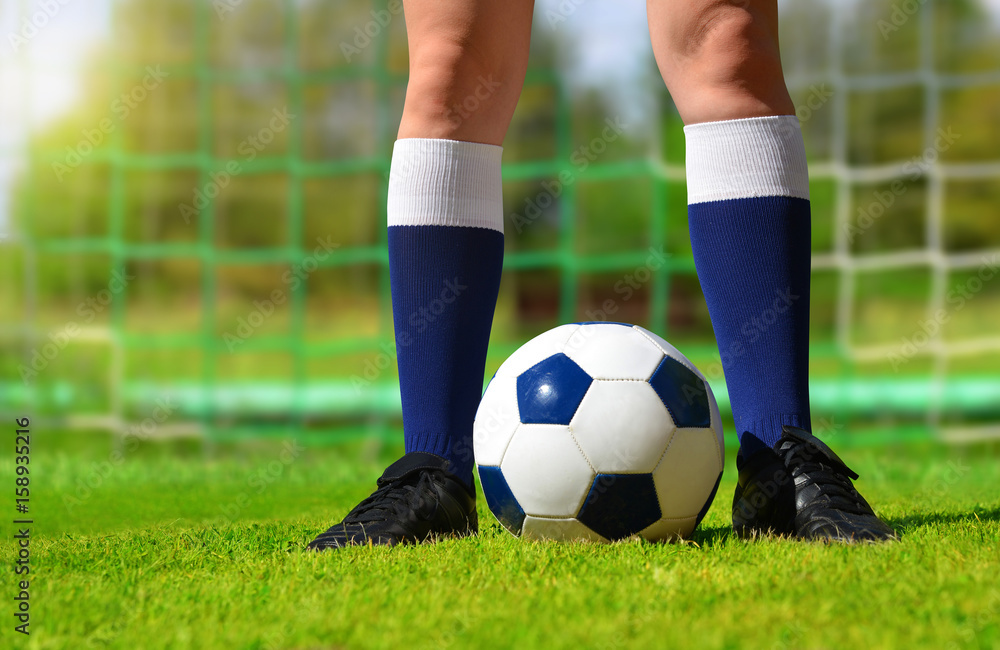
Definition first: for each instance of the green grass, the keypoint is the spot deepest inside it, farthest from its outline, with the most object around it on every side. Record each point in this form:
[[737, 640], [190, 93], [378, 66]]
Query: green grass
[[147, 561]]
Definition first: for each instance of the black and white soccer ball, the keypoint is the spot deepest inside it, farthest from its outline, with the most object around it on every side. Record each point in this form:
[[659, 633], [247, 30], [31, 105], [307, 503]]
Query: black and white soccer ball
[[598, 431]]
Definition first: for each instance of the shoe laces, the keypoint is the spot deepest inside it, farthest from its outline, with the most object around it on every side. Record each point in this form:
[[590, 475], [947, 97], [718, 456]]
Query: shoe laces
[[393, 499], [833, 477]]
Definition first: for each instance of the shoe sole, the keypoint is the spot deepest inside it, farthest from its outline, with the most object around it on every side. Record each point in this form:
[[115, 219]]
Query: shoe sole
[[391, 541], [749, 533]]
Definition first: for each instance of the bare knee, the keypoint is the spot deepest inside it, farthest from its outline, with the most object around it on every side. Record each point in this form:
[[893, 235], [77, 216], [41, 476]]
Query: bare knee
[[461, 91], [720, 60]]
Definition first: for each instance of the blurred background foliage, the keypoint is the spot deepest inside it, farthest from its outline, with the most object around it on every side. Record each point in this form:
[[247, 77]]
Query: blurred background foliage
[[231, 64], [249, 56]]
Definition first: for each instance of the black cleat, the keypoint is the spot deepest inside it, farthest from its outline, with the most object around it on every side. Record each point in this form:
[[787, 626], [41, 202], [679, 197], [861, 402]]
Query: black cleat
[[800, 488], [417, 499]]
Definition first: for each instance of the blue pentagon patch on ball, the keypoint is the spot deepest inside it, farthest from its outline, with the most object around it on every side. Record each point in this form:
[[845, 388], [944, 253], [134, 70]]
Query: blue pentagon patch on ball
[[683, 393], [550, 391]]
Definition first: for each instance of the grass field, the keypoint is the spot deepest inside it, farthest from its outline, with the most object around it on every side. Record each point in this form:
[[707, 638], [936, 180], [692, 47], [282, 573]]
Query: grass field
[[182, 546]]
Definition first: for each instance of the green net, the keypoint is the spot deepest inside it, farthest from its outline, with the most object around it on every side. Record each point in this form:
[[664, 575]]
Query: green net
[[197, 250]]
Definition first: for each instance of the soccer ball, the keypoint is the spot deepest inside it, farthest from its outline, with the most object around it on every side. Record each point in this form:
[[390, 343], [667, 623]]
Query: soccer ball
[[598, 431]]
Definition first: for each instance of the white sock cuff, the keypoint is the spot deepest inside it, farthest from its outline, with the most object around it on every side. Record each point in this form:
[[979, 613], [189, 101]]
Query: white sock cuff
[[739, 159], [445, 183]]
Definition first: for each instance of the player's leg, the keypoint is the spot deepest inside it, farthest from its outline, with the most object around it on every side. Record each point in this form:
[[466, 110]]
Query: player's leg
[[467, 64], [749, 220], [748, 200]]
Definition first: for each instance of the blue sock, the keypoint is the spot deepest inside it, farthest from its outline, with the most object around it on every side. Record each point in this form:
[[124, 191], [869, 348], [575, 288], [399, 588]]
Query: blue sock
[[445, 259], [749, 221]]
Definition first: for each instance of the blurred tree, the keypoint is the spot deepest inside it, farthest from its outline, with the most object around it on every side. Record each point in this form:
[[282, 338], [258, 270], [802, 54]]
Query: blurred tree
[[184, 84]]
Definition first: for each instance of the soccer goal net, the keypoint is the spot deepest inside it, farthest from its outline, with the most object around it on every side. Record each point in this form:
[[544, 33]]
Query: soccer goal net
[[196, 242]]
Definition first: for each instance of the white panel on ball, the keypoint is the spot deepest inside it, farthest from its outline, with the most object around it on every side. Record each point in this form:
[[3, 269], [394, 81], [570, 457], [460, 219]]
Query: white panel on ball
[[546, 471], [541, 347], [622, 426], [669, 529], [558, 529], [607, 351], [669, 349], [496, 420], [688, 471], [717, 425]]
